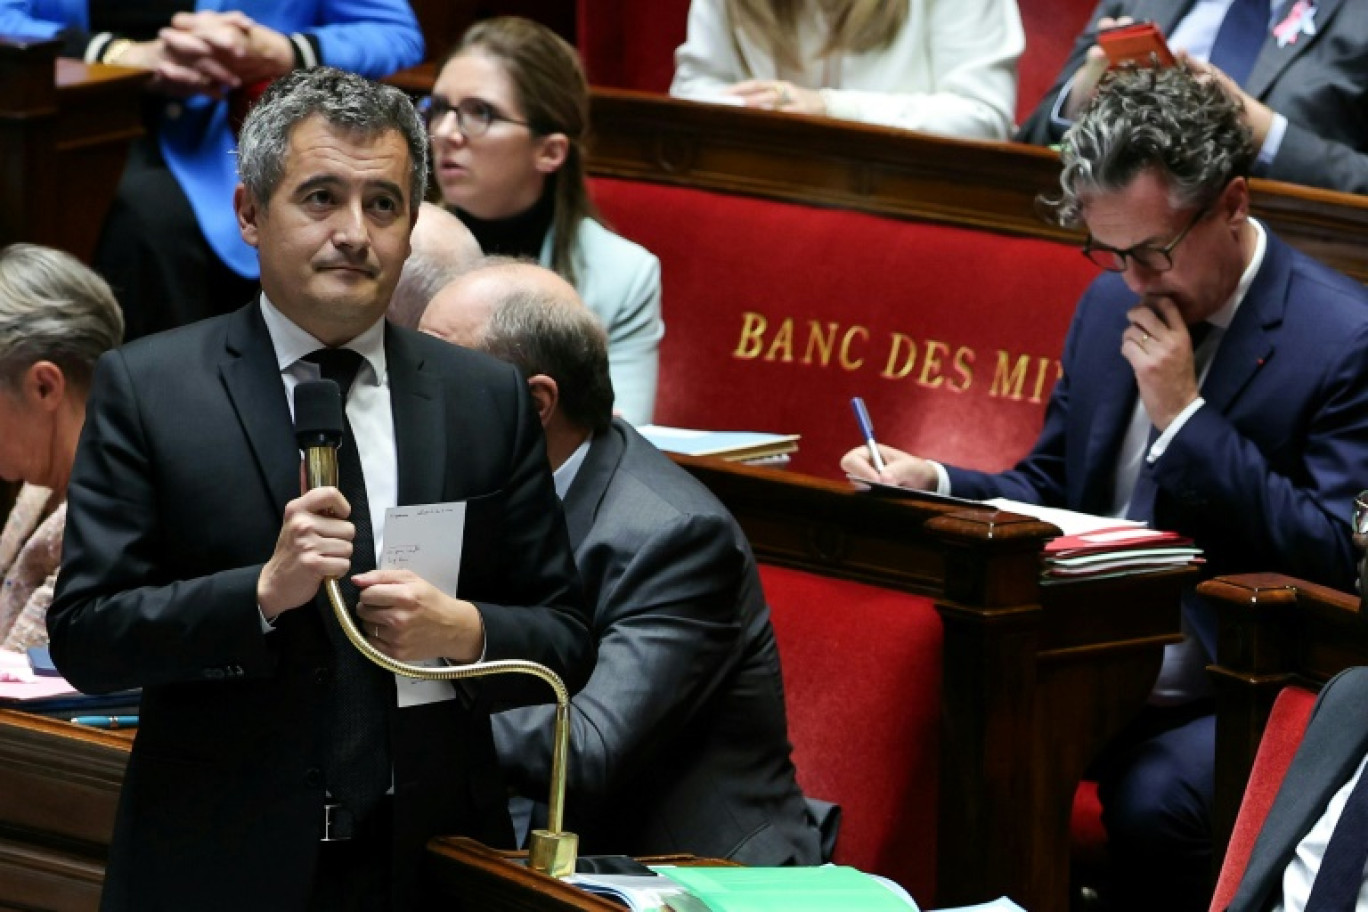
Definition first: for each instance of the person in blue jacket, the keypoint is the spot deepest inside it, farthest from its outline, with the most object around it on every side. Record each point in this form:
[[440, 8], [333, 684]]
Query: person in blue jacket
[[170, 245]]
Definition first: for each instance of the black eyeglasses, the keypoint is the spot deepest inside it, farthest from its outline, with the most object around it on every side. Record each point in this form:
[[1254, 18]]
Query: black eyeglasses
[[474, 116], [1151, 257]]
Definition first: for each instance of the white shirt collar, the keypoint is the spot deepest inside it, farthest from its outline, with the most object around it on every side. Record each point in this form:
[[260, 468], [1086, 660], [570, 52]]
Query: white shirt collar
[[564, 477], [292, 343]]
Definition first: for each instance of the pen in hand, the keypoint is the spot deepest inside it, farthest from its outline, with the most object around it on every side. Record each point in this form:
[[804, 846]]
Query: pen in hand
[[867, 431]]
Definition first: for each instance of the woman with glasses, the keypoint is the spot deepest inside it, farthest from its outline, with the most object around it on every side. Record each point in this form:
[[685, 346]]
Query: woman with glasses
[[508, 117], [938, 66]]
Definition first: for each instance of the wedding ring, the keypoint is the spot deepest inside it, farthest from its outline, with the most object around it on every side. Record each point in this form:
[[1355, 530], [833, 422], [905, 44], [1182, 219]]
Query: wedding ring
[[781, 90]]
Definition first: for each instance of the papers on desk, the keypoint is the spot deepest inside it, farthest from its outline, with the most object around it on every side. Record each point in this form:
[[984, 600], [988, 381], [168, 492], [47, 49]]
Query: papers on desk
[[1001, 904], [751, 447], [51, 695], [1091, 546], [741, 889]]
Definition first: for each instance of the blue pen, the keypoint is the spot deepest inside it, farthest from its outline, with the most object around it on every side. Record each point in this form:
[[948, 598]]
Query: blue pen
[[111, 722], [867, 429]]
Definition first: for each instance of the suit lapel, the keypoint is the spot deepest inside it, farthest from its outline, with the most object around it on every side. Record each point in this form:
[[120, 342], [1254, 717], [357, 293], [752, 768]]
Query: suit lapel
[[1273, 59], [591, 483], [419, 428], [1248, 343], [252, 378]]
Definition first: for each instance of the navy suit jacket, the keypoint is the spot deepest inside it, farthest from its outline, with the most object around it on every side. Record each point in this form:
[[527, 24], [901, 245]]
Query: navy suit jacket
[[1331, 750], [680, 737], [1264, 475], [186, 462], [1319, 83]]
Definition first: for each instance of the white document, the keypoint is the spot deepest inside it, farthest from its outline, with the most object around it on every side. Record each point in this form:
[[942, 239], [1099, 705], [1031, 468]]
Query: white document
[[426, 539], [1068, 521]]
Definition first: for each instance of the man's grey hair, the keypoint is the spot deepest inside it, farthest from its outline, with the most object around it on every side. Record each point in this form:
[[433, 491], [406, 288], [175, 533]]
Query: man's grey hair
[[540, 333], [1171, 120], [53, 308], [442, 250], [346, 101]]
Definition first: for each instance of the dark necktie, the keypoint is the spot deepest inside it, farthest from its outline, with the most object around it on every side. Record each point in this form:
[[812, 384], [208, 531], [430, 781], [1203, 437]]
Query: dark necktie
[[1340, 877], [1240, 38], [358, 764], [1141, 507]]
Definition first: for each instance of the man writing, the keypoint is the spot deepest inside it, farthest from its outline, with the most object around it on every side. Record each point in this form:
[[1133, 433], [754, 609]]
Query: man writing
[[1214, 383], [274, 769], [680, 737]]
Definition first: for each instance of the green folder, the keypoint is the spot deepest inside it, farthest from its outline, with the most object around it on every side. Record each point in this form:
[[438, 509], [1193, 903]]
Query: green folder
[[820, 889]]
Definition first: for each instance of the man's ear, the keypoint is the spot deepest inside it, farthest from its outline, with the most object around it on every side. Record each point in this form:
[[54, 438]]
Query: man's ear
[[245, 205], [1235, 201], [552, 153], [45, 385], [545, 396]]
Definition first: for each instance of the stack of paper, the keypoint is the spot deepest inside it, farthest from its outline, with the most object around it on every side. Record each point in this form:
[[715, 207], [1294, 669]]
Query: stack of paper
[[1123, 549], [751, 447]]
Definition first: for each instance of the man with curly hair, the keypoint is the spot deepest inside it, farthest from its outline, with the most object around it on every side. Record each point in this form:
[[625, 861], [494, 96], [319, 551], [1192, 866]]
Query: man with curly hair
[[1214, 383]]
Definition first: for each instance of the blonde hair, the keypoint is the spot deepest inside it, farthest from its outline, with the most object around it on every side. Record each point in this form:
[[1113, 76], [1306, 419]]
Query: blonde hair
[[554, 96], [855, 26]]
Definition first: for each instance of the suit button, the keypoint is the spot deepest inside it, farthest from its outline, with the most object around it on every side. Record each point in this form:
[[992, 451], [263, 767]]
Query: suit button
[[313, 776], [321, 676]]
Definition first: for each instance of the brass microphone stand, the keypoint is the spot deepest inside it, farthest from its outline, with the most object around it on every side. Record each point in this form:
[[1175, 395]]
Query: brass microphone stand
[[550, 851]]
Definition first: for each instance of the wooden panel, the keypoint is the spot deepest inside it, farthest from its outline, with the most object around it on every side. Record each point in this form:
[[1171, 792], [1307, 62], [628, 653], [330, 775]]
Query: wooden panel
[[65, 127]]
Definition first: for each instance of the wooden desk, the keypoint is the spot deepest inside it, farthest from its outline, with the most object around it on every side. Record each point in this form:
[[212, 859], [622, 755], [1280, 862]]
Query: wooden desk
[[65, 127], [59, 788], [1036, 677]]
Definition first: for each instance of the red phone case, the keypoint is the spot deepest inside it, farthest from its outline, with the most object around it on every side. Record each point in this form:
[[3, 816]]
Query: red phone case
[[1140, 43]]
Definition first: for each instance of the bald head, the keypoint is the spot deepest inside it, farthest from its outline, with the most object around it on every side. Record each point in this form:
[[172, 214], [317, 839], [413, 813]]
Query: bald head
[[443, 248], [529, 316]]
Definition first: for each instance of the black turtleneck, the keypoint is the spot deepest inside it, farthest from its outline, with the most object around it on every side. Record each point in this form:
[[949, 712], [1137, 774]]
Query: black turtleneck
[[520, 235]]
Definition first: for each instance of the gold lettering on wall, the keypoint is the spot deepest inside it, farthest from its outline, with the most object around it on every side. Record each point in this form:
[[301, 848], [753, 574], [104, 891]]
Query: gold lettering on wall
[[964, 367], [847, 362], [782, 346], [1008, 378], [752, 336], [933, 364], [823, 343], [894, 352]]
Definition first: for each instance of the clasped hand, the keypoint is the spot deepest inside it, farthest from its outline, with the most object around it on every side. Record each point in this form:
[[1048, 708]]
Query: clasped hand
[[401, 614]]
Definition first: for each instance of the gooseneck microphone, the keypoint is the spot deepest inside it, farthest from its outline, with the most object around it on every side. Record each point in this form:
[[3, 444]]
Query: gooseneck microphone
[[318, 430], [319, 420]]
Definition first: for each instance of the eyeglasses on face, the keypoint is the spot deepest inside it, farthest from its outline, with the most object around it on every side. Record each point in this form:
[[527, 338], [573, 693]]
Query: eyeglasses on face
[[1149, 256], [474, 116]]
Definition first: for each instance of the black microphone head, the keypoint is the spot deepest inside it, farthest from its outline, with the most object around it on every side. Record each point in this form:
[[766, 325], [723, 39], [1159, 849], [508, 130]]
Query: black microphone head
[[318, 414]]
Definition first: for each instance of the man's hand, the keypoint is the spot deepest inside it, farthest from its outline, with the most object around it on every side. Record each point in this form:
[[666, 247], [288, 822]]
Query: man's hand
[[1084, 83], [901, 469], [1159, 349], [315, 543], [408, 618], [1256, 115]]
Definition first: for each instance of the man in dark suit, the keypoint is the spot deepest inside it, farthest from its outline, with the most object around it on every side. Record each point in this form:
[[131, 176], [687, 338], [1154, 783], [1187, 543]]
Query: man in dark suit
[[680, 739], [192, 564], [1214, 383], [1303, 79], [1313, 801]]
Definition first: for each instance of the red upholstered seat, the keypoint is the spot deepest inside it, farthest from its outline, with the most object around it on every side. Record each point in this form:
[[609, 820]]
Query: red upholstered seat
[[862, 672], [1281, 738], [629, 44], [776, 314]]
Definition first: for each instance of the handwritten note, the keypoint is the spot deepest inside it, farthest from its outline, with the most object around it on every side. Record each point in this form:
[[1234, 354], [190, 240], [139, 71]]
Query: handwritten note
[[427, 539]]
